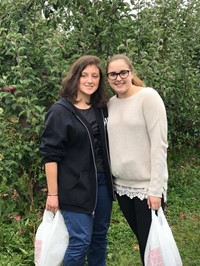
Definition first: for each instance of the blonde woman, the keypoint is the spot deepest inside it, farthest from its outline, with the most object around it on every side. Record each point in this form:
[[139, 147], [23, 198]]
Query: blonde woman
[[137, 130]]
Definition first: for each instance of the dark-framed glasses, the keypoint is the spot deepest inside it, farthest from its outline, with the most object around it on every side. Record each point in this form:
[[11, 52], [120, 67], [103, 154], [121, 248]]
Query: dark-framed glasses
[[123, 74]]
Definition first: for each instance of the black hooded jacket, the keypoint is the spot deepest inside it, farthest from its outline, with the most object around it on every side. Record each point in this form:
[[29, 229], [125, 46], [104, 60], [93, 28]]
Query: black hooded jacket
[[67, 139]]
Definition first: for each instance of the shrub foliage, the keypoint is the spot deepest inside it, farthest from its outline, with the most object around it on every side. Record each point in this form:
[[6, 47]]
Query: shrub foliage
[[40, 39]]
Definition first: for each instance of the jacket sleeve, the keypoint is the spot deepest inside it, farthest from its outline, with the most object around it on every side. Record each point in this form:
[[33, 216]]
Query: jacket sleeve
[[54, 136]]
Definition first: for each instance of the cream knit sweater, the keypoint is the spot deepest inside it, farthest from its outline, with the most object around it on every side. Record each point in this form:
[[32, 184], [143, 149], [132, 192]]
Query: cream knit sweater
[[137, 130]]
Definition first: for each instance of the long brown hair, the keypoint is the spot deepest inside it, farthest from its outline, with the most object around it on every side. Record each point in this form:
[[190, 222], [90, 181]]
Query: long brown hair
[[71, 82], [136, 80]]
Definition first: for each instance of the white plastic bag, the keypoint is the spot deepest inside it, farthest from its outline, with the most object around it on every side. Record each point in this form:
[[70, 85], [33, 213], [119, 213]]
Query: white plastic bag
[[161, 248], [51, 240]]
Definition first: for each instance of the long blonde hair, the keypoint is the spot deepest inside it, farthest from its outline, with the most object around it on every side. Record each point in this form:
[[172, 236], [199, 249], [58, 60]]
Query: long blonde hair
[[136, 80]]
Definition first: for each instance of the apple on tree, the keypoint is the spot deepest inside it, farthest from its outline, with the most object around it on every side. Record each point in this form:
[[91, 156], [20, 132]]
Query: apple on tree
[[11, 89]]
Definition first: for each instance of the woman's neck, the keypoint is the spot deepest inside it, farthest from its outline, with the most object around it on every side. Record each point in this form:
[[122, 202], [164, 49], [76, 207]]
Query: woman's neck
[[132, 90], [82, 105]]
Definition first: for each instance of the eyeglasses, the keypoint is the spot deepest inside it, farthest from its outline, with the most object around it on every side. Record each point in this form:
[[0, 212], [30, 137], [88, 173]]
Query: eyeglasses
[[123, 74]]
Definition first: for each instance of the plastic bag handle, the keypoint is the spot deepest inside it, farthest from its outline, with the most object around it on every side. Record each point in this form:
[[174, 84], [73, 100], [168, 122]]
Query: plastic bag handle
[[160, 217], [153, 215], [49, 216]]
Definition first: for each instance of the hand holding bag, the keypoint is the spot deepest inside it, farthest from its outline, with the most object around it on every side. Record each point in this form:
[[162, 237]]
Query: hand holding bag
[[51, 240], [161, 248]]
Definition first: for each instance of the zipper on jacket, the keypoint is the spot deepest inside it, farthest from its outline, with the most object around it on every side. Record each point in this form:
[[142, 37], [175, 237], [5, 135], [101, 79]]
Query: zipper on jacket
[[93, 213], [108, 156]]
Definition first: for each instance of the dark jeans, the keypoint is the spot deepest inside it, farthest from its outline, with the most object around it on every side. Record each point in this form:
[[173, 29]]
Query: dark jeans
[[138, 216], [88, 234]]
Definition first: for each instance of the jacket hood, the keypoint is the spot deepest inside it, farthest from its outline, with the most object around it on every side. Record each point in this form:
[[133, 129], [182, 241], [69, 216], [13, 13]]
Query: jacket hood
[[62, 101]]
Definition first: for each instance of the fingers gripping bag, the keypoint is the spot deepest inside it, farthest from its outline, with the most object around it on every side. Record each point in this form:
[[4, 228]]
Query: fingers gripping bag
[[51, 240]]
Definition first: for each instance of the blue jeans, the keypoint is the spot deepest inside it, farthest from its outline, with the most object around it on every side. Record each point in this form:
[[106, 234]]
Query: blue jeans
[[88, 234]]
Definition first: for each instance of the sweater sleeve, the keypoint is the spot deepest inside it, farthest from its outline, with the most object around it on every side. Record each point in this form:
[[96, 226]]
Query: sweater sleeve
[[54, 135], [156, 122]]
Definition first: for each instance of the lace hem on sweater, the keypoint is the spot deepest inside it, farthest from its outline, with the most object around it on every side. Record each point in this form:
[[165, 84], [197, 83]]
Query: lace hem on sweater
[[130, 192]]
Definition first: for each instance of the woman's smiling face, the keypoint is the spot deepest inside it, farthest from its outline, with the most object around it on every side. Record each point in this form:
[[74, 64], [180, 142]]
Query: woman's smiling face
[[120, 85], [89, 82]]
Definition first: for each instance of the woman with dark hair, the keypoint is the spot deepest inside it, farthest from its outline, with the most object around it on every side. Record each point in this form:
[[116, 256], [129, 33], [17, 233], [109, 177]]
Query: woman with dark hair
[[138, 150], [74, 147]]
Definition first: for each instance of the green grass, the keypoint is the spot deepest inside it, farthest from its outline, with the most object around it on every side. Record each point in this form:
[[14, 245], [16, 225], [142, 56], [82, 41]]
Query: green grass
[[183, 215], [123, 246]]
